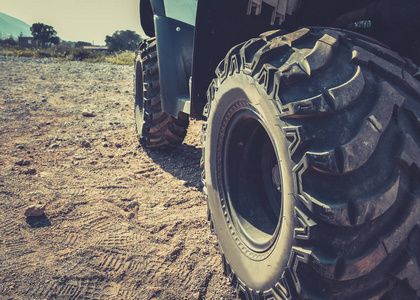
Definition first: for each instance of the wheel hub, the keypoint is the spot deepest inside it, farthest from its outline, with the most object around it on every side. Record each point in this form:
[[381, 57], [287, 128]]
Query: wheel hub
[[252, 181]]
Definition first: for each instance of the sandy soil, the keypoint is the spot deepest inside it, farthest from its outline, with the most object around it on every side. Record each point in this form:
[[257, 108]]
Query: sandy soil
[[120, 222]]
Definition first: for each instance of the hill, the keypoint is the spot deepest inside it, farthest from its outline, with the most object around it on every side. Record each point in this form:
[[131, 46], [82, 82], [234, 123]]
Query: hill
[[10, 26]]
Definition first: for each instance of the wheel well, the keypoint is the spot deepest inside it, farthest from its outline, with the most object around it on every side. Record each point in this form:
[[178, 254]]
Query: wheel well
[[220, 25], [146, 18]]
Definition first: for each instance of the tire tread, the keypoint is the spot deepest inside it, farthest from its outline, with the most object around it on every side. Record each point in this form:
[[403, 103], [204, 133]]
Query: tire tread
[[381, 94], [160, 130]]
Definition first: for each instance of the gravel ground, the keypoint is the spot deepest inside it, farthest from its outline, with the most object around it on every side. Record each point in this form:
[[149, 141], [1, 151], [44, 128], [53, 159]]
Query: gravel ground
[[120, 222]]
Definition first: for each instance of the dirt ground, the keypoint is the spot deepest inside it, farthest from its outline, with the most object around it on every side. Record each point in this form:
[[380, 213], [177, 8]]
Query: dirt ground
[[120, 222]]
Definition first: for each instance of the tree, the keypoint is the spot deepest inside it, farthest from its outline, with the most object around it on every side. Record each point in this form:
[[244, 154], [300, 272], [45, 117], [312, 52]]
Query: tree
[[123, 40], [10, 41], [44, 35]]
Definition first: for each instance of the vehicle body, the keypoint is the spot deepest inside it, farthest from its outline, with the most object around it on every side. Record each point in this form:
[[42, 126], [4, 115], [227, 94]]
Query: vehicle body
[[311, 140], [191, 50]]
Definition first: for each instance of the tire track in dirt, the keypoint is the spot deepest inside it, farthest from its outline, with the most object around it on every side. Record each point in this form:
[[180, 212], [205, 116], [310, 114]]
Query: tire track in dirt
[[121, 222]]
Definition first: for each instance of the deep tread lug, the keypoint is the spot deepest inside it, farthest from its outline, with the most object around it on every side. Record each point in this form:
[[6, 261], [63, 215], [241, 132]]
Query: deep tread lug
[[155, 128]]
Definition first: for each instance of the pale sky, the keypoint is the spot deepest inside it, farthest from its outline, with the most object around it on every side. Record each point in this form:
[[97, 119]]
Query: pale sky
[[78, 20]]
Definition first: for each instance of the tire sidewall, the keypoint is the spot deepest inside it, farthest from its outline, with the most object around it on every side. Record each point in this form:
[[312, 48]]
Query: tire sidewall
[[138, 94], [259, 273]]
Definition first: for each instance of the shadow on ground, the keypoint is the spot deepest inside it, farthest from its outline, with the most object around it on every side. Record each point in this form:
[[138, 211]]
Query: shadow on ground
[[182, 162], [38, 222]]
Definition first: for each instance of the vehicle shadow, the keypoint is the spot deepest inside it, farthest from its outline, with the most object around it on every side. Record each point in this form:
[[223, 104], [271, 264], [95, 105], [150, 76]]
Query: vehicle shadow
[[183, 162]]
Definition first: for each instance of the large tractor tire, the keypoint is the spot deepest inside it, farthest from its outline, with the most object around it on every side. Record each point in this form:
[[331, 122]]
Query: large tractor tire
[[311, 157], [155, 128]]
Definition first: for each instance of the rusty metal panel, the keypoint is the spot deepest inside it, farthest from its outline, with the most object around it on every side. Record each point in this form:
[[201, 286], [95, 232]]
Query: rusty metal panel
[[281, 8]]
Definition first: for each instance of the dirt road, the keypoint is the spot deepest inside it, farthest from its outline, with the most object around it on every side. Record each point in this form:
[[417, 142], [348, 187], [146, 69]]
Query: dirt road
[[120, 223]]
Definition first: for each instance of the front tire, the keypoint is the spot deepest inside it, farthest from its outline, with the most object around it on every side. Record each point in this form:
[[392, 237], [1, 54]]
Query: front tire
[[311, 152], [155, 128]]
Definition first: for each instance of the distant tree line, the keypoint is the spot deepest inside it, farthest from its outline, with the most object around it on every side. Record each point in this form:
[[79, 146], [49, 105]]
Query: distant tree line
[[10, 41], [46, 36], [123, 40]]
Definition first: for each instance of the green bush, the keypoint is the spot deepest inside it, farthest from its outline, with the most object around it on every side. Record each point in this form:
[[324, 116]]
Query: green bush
[[79, 54], [42, 54], [8, 42]]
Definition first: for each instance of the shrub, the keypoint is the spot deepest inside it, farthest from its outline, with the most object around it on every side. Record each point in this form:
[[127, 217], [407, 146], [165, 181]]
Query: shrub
[[123, 58], [79, 54], [8, 42], [65, 53]]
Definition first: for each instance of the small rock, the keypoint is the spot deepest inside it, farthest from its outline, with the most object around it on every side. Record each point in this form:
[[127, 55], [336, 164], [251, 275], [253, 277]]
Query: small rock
[[196, 296], [204, 252], [116, 103], [105, 144], [64, 252], [184, 182], [85, 144], [88, 114], [118, 145], [79, 158], [20, 147], [54, 146], [30, 172], [35, 210], [23, 163]]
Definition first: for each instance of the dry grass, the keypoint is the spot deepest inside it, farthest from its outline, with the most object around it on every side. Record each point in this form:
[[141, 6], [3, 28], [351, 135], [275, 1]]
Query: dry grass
[[76, 54]]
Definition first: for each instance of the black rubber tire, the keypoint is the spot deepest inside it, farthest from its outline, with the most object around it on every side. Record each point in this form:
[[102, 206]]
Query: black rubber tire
[[155, 128], [311, 167]]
